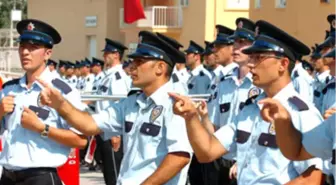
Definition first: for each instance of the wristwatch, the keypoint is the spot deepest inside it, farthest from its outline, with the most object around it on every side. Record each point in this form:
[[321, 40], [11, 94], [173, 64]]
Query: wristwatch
[[45, 132]]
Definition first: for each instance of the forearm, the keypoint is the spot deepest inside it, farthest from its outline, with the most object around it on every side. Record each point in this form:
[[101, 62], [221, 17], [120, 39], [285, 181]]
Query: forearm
[[311, 176], [289, 141], [171, 165], [67, 138], [205, 146], [208, 125], [82, 121]]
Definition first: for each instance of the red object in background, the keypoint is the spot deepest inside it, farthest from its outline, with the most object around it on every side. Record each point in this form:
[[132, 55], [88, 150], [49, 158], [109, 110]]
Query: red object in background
[[1, 83], [69, 172], [133, 11]]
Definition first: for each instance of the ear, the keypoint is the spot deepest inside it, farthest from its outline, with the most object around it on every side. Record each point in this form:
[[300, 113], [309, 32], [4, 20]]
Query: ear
[[161, 67], [47, 54], [284, 63]]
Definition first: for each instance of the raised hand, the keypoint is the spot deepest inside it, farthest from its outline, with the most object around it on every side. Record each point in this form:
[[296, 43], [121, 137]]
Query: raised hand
[[202, 109], [50, 96], [30, 121], [184, 106], [7, 105]]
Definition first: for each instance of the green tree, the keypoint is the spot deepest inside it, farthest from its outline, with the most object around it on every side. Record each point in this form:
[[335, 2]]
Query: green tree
[[5, 10]]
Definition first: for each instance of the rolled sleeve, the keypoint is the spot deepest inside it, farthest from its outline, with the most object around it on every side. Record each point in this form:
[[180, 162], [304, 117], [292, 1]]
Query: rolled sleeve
[[110, 120], [176, 135], [226, 136]]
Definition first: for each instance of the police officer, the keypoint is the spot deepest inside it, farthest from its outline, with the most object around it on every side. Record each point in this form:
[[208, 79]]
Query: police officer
[[157, 150], [215, 68], [71, 78], [259, 159], [97, 70], [180, 76], [86, 84], [38, 139], [328, 92], [321, 76], [233, 91], [61, 69], [52, 67]]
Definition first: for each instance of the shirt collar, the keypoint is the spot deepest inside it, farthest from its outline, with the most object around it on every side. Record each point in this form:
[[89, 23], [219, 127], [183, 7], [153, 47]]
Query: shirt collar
[[229, 69], [45, 76], [197, 70], [218, 71], [112, 69], [322, 77], [159, 97]]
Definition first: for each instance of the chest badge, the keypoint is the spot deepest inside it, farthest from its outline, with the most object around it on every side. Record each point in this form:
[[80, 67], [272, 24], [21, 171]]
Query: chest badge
[[156, 112], [253, 92], [271, 128]]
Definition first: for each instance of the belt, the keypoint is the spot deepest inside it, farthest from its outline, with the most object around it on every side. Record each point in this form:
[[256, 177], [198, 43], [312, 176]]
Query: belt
[[20, 175]]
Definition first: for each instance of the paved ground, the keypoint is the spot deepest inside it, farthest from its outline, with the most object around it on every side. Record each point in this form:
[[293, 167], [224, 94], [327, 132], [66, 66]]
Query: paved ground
[[91, 178]]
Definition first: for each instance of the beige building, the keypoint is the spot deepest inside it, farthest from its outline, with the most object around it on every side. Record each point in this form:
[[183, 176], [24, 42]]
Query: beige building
[[84, 24]]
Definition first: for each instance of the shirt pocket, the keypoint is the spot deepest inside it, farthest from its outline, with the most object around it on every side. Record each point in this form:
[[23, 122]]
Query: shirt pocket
[[267, 140], [242, 136], [128, 126], [150, 129], [225, 107]]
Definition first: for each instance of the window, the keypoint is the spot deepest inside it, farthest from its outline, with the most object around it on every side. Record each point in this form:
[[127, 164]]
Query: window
[[257, 3], [184, 3], [281, 3]]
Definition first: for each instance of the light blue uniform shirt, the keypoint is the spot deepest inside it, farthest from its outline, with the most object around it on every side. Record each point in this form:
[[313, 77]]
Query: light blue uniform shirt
[[180, 81], [328, 93], [115, 82], [259, 159], [86, 84], [320, 81], [231, 98], [199, 80], [23, 148], [220, 73], [303, 83], [150, 131], [97, 80]]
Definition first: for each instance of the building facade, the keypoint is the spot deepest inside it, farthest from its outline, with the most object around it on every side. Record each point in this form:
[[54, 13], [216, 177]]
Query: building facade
[[84, 24]]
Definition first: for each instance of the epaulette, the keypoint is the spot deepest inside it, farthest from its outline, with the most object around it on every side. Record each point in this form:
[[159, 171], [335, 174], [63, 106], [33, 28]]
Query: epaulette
[[250, 100], [175, 78], [11, 82], [298, 103], [134, 91], [329, 86], [117, 75], [62, 86]]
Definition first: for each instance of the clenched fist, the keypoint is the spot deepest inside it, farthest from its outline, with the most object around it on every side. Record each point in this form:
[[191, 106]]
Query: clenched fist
[[30, 121], [7, 105]]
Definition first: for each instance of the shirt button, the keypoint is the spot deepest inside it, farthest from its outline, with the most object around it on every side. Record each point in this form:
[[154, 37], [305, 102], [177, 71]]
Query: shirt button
[[147, 130], [266, 143]]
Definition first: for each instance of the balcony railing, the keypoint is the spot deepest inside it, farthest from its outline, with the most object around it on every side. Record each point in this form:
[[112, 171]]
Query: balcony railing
[[156, 17]]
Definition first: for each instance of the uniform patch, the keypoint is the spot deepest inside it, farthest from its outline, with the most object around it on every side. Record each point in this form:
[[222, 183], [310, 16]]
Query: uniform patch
[[156, 112], [254, 91], [30, 27], [117, 75], [271, 128], [240, 24]]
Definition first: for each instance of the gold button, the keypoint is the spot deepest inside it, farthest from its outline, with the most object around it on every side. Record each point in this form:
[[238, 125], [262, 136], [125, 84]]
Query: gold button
[[265, 143]]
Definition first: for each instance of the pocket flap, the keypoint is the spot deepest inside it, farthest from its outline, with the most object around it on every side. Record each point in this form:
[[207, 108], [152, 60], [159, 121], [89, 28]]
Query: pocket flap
[[267, 140], [242, 136], [40, 112], [150, 129], [128, 126], [224, 107]]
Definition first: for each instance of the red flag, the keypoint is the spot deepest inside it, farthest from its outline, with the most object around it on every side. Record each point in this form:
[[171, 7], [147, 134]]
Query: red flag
[[133, 11]]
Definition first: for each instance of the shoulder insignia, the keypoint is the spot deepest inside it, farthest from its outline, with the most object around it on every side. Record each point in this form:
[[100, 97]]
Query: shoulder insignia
[[175, 78], [250, 100], [11, 82], [117, 75], [88, 79], [134, 91], [62, 86], [329, 86], [296, 74], [254, 91], [301, 105]]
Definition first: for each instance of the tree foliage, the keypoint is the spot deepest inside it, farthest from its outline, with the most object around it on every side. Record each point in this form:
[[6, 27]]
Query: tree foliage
[[5, 10]]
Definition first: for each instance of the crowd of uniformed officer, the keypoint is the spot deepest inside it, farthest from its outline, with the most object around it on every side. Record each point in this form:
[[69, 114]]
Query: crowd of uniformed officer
[[269, 118]]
